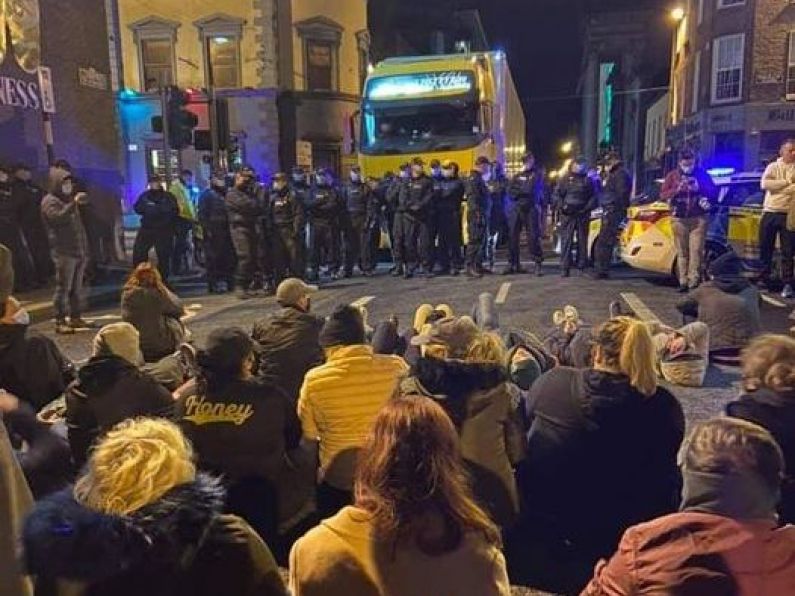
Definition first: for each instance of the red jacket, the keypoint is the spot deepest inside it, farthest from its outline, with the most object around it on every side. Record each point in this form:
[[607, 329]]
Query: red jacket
[[685, 202], [700, 553]]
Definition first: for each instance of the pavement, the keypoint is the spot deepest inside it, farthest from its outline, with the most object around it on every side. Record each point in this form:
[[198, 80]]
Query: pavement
[[524, 301]]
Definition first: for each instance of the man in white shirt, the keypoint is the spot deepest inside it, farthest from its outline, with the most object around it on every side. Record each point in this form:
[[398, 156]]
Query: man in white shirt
[[779, 183]]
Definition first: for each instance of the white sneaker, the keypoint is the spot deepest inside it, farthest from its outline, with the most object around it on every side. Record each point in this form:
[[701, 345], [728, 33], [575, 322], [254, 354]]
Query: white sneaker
[[787, 292]]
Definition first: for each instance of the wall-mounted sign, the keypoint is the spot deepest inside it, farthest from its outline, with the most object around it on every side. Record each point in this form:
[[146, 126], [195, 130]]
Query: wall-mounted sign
[[781, 115], [303, 154], [47, 92], [19, 93], [419, 85], [90, 77], [768, 78]]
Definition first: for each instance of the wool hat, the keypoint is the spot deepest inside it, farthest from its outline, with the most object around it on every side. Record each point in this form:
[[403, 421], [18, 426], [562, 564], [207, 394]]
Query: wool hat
[[291, 290], [118, 339], [457, 333], [523, 372], [343, 327], [726, 265]]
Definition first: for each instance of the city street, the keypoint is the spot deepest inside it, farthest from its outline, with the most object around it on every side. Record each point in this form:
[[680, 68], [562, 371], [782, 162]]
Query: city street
[[524, 301]]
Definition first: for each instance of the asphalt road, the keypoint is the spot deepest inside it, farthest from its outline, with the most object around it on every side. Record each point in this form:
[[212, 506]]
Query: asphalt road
[[527, 302]]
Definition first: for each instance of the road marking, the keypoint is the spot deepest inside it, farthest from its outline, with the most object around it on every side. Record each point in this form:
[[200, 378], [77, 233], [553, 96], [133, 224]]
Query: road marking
[[773, 301], [104, 318], [643, 312], [363, 301], [502, 294]]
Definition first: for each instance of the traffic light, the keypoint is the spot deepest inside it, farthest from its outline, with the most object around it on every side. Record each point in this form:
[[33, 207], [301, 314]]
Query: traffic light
[[181, 121]]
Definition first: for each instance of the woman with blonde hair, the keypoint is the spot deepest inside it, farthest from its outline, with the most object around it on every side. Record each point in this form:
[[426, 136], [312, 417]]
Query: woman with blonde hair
[[154, 310], [768, 399], [463, 369], [415, 528], [601, 456], [142, 521]]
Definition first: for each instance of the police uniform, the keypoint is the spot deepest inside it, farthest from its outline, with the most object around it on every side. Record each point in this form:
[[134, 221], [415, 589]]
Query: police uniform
[[287, 222], [324, 209], [411, 223], [448, 224], [358, 217], [522, 211], [575, 198], [477, 199], [219, 252], [245, 209]]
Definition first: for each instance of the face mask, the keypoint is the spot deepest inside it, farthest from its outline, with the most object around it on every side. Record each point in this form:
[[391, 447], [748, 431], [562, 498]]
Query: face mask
[[278, 186], [688, 170], [529, 165], [580, 169], [447, 173], [486, 175], [67, 189], [404, 174], [21, 317], [436, 171], [3, 177], [416, 170], [298, 178], [356, 177]]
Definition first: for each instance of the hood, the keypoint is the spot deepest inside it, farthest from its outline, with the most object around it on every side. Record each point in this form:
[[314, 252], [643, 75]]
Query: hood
[[608, 387], [10, 334], [64, 539], [456, 378], [102, 372], [731, 285]]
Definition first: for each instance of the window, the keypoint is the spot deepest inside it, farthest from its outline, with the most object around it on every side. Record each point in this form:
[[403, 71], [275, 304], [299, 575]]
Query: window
[[791, 67], [696, 82], [319, 66], [223, 61], [728, 58], [729, 3], [363, 47], [156, 39], [156, 63]]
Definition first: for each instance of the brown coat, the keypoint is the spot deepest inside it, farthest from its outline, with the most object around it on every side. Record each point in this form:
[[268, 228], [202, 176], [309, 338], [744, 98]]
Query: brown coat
[[700, 553]]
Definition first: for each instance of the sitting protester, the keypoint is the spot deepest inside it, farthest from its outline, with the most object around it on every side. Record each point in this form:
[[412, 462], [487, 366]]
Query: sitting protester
[[111, 388], [42, 453], [768, 368], [15, 503], [728, 304], [463, 369], [424, 316], [288, 339], [387, 339], [244, 429], [682, 354], [142, 521], [570, 341], [601, 456], [725, 539], [148, 305], [415, 527], [341, 398], [31, 365]]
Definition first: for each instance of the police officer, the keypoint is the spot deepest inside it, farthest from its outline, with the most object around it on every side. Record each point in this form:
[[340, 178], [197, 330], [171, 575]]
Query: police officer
[[287, 222], [324, 209], [359, 211], [448, 219], [159, 213], [219, 252], [614, 200], [10, 233], [412, 220], [245, 210], [523, 212], [433, 225], [477, 199], [575, 198], [28, 195], [496, 184], [394, 213]]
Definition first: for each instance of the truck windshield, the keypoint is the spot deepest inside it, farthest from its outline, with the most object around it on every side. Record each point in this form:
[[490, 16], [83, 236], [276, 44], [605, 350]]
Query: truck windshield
[[437, 126]]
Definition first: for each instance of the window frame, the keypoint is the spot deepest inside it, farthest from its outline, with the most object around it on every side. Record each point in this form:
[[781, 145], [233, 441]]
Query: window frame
[[333, 64], [321, 30], [790, 72], [716, 47], [694, 101], [220, 25], [155, 29], [722, 4]]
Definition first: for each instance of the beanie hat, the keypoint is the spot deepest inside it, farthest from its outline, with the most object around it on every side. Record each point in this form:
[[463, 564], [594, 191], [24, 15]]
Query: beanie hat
[[727, 265], [118, 339], [523, 372], [344, 327]]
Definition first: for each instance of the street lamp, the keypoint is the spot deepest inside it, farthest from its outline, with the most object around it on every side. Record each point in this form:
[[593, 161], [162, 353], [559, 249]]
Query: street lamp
[[566, 147], [678, 13]]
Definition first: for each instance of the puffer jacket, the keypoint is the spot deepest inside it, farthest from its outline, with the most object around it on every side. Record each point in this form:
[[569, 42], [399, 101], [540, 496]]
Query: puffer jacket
[[339, 401], [110, 390], [178, 545], [64, 225], [480, 403], [289, 347], [729, 306], [699, 553]]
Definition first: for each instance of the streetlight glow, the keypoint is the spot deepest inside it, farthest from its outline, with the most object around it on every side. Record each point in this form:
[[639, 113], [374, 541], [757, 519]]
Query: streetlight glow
[[566, 147], [678, 13]]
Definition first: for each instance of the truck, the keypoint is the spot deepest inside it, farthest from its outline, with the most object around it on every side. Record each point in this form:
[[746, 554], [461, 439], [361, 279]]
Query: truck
[[454, 107]]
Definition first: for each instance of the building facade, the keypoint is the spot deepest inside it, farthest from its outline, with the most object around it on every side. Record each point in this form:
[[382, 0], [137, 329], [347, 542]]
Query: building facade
[[273, 82], [48, 82], [654, 141], [733, 81]]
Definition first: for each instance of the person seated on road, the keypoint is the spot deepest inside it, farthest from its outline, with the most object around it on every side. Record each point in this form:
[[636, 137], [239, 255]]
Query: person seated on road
[[424, 316], [415, 527], [682, 354], [340, 399], [42, 453], [141, 520], [111, 388], [15, 503], [246, 430], [570, 340], [464, 370], [601, 456], [32, 367], [288, 339], [728, 304], [725, 539], [155, 311], [768, 399], [387, 339]]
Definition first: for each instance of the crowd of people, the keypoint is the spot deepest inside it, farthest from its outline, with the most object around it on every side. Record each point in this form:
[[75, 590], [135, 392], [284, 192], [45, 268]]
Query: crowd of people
[[454, 456]]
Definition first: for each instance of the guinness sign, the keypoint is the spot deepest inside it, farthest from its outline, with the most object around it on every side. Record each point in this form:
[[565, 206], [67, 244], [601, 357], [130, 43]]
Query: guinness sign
[[20, 35]]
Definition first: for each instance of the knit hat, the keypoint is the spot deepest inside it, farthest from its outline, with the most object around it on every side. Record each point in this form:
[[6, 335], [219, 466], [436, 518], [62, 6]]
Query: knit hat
[[225, 349], [291, 290], [523, 372], [456, 333], [727, 265], [118, 339], [344, 327]]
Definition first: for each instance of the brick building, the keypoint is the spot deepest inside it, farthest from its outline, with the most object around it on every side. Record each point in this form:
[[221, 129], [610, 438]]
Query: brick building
[[733, 80], [42, 35]]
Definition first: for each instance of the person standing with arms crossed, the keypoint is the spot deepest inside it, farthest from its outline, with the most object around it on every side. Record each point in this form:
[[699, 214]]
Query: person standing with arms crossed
[[778, 182]]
